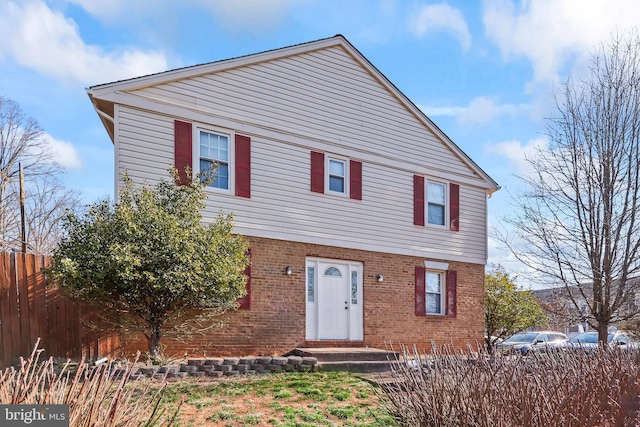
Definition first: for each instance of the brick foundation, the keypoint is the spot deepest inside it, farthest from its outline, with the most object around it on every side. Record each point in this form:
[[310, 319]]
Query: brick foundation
[[275, 323]]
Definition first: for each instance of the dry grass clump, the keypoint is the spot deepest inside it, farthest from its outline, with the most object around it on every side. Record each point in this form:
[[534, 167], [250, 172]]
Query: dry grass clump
[[561, 388], [97, 396]]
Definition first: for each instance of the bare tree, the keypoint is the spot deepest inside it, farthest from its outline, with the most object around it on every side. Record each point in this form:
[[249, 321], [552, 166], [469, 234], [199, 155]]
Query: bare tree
[[47, 204], [22, 142], [579, 216]]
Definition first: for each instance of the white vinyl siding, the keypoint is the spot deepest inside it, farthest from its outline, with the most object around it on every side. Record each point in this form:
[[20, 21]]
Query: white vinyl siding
[[321, 101], [286, 209], [324, 95]]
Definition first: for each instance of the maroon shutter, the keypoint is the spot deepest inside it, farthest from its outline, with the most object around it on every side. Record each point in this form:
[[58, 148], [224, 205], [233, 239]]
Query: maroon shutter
[[182, 149], [420, 293], [355, 180], [418, 200], [454, 207], [452, 293], [243, 166], [245, 301], [317, 172]]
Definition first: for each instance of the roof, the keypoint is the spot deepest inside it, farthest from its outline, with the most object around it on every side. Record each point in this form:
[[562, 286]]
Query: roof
[[105, 108]]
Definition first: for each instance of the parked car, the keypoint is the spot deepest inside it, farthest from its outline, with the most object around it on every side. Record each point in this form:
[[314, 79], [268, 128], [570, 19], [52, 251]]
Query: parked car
[[588, 341], [494, 340], [526, 342]]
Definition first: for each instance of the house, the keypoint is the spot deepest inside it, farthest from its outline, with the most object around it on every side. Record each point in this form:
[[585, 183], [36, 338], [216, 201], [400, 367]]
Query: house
[[559, 304], [366, 223], [562, 314]]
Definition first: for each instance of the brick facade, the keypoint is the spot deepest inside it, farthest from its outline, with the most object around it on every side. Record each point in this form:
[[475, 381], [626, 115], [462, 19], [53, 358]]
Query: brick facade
[[275, 323]]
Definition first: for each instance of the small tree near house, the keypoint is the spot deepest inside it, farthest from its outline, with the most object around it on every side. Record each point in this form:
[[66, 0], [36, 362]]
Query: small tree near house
[[150, 260], [507, 308]]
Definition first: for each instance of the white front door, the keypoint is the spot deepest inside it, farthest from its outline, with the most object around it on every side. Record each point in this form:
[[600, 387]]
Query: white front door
[[334, 300], [333, 303]]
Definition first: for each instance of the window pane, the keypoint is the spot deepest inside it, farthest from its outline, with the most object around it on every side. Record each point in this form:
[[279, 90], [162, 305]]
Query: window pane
[[332, 271], [223, 148], [434, 280], [336, 184], [221, 179], [220, 174], [354, 287], [311, 277], [435, 193], [205, 165], [436, 214], [336, 168], [433, 303], [204, 145], [214, 147]]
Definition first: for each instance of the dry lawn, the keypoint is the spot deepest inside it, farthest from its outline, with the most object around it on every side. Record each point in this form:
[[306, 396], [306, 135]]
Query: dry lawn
[[286, 399]]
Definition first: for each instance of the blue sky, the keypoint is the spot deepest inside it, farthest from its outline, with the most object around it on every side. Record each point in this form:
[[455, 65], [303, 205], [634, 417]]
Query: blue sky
[[483, 71]]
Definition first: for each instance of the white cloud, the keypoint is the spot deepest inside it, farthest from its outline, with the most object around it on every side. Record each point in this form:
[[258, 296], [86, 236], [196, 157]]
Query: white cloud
[[248, 14], [550, 33], [64, 153], [431, 111], [481, 110], [50, 43], [484, 110], [109, 9], [441, 17], [252, 15], [517, 153]]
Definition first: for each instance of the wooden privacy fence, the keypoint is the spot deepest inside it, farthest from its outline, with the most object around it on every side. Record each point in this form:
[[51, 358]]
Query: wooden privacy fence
[[29, 309]]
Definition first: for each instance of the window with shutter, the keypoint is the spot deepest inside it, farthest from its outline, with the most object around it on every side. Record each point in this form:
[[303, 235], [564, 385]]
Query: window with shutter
[[336, 175], [435, 292], [437, 201], [420, 308], [243, 166], [245, 301], [183, 150], [454, 207], [418, 200], [355, 180], [226, 154], [452, 293], [317, 172]]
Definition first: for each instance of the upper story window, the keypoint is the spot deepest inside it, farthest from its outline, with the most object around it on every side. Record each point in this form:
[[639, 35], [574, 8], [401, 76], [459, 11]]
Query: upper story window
[[225, 153], [436, 203], [337, 175], [214, 154]]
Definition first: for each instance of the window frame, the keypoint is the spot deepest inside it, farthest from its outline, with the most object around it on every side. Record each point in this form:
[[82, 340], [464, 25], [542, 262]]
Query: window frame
[[443, 292], [327, 175], [445, 204], [231, 155]]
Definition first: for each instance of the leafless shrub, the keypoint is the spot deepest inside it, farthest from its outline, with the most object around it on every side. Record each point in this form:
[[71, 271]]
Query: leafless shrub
[[97, 396], [448, 387]]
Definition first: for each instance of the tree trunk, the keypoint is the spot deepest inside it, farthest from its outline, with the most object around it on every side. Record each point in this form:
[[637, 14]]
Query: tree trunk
[[603, 334], [154, 343]]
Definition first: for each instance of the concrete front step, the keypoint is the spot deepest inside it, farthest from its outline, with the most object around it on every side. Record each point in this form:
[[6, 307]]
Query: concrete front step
[[360, 366], [353, 359]]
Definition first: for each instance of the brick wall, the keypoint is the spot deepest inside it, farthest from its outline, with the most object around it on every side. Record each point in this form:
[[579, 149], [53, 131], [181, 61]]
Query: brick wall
[[275, 323]]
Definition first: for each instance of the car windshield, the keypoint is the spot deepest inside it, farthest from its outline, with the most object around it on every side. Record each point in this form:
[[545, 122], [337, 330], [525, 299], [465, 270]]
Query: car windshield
[[589, 338], [526, 337], [586, 338]]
